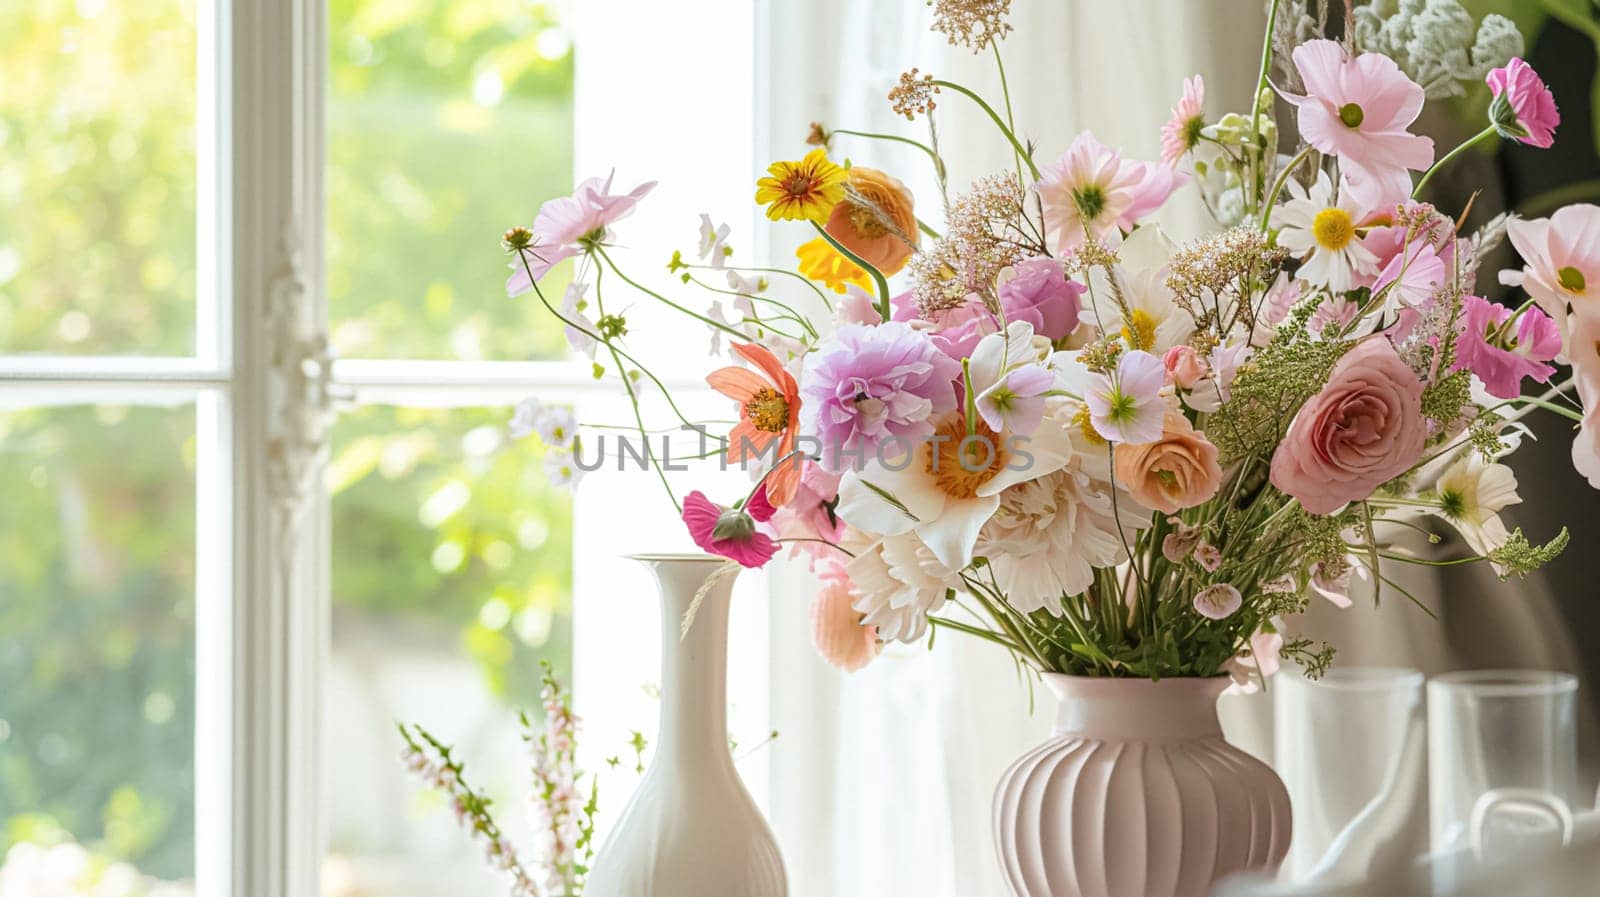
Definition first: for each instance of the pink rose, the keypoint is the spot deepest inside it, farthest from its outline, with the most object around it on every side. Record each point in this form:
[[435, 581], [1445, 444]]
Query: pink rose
[[1041, 294], [1184, 367], [1362, 430]]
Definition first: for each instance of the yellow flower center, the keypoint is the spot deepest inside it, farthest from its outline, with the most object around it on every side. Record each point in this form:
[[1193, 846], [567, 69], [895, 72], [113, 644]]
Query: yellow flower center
[[960, 463], [1083, 423], [1139, 330], [768, 410], [1333, 229]]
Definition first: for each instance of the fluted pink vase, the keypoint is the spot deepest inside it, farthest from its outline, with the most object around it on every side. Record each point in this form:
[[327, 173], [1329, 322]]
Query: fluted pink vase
[[1136, 795]]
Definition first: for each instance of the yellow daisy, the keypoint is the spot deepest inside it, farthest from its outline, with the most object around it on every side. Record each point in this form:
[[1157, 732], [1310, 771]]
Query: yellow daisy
[[820, 261], [806, 190]]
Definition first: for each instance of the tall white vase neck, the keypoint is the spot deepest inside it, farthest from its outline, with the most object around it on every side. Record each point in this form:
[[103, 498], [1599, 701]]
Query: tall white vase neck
[[693, 664], [691, 829]]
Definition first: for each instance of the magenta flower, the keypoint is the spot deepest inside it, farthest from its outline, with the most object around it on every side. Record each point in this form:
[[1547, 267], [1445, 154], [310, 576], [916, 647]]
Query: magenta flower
[[865, 387], [1501, 355], [1359, 109], [732, 533], [1041, 294], [1523, 108], [564, 222], [1128, 407], [1182, 131]]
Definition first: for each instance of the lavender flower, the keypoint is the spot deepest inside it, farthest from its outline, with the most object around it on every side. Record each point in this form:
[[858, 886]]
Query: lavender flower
[[867, 386]]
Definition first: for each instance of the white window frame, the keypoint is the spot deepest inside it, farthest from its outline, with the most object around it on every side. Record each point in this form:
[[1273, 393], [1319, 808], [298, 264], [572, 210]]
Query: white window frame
[[265, 386]]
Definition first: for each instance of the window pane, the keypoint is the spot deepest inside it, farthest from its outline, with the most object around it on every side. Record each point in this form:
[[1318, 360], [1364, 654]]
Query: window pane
[[97, 177], [97, 656], [451, 580], [449, 120]]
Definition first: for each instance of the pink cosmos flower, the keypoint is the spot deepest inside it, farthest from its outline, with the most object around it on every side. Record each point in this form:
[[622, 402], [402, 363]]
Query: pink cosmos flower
[[837, 630], [1359, 110], [1182, 131], [1332, 317], [1363, 429], [1128, 407], [1562, 261], [732, 533], [564, 221], [865, 386], [1585, 354], [1040, 293], [1092, 189], [1523, 108], [1501, 356], [1418, 273]]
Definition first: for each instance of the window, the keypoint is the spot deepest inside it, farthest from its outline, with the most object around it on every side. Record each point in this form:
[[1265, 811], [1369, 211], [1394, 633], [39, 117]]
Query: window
[[255, 367]]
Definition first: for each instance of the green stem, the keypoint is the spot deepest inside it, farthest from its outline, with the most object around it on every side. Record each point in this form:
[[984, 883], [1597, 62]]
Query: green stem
[[938, 163], [1261, 84], [884, 308], [1470, 142], [652, 293], [1277, 186], [1016, 145], [1005, 93]]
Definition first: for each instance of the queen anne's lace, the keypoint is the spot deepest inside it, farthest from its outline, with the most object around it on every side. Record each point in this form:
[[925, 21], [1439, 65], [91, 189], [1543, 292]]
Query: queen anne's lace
[[1436, 42]]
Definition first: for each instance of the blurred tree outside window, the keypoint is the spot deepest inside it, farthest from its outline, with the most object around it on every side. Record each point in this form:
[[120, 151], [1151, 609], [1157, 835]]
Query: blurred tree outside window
[[451, 559]]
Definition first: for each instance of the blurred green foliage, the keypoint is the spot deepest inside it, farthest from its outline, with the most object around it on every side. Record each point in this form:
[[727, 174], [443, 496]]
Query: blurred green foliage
[[449, 120], [97, 177], [97, 610]]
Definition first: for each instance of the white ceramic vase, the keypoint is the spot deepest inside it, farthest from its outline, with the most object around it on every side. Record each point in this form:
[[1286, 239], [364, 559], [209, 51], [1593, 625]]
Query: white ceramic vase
[[691, 829], [1136, 795]]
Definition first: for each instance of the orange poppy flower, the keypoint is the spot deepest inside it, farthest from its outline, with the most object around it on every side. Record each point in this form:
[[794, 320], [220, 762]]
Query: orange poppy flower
[[769, 411]]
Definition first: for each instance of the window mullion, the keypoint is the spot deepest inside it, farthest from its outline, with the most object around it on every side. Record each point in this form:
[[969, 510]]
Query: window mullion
[[280, 433]]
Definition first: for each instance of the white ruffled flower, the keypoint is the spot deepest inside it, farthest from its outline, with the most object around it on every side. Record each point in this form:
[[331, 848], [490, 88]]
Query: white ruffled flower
[[1050, 533], [896, 582]]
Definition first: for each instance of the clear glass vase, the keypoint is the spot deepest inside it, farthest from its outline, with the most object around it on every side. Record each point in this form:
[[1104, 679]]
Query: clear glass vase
[[1350, 750], [1502, 763]]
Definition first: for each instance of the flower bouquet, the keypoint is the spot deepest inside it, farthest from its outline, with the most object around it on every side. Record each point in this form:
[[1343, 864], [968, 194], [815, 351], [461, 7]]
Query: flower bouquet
[[1042, 423]]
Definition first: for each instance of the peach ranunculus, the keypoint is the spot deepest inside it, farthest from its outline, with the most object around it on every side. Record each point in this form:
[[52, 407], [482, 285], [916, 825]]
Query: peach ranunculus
[[1177, 471], [1362, 430], [875, 220], [840, 636]]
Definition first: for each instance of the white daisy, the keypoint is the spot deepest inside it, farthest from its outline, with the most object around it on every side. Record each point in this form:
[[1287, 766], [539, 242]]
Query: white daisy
[[1312, 222]]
